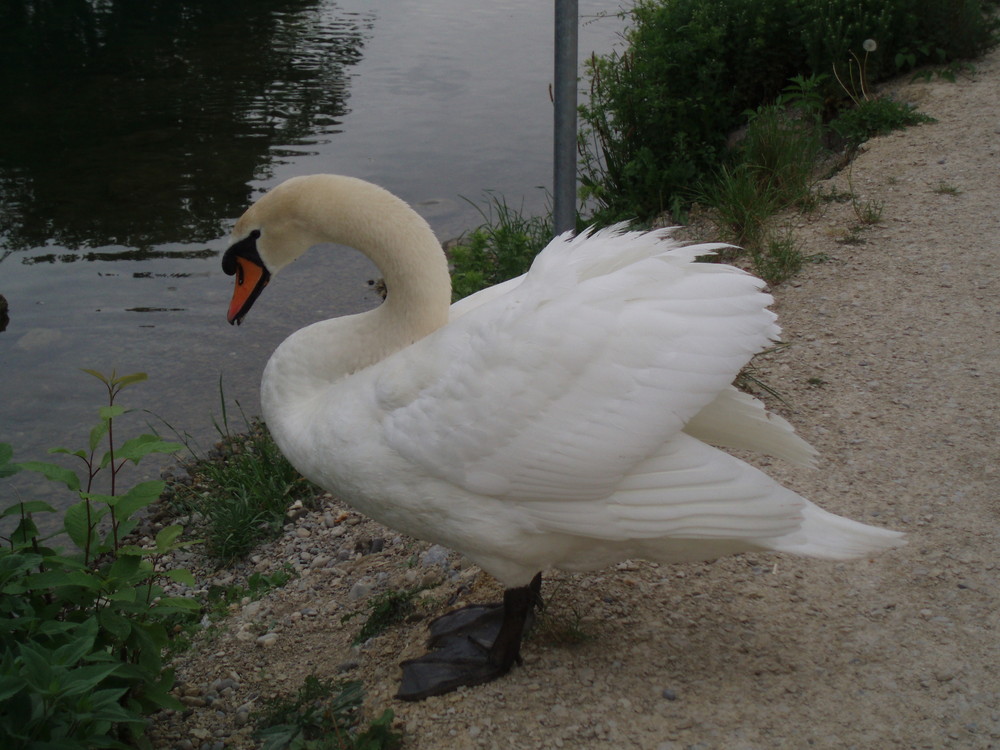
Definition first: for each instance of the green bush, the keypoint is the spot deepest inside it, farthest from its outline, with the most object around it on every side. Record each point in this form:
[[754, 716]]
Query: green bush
[[661, 110], [82, 629]]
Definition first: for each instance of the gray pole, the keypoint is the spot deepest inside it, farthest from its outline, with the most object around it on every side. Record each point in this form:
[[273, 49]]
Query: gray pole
[[564, 172]]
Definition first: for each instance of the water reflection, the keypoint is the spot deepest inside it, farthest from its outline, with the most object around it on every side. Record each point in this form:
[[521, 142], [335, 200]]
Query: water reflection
[[139, 124]]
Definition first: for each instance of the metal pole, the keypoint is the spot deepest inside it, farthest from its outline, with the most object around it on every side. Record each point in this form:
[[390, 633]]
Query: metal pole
[[564, 155]]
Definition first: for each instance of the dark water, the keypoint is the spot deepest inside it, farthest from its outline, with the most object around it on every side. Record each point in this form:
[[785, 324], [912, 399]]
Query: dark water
[[133, 134]]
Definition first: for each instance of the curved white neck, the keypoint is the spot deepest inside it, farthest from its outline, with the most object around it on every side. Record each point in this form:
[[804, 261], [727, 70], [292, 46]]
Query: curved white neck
[[307, 211]]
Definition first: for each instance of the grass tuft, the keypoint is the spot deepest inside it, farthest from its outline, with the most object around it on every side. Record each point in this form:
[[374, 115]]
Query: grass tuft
[[324, 715], [502, 248]]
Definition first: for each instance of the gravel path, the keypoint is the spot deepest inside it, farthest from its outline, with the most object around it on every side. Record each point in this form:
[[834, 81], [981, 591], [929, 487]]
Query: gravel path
[[892, 370]]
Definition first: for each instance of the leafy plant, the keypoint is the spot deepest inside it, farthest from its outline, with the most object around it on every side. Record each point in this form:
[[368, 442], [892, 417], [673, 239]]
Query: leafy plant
[[324, 716], [502, 248], [943, 188], [778, 258], [82, 629], [387, 609], [874, 117]]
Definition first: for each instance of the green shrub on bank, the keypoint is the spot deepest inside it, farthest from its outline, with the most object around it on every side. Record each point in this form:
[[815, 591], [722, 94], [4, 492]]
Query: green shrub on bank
[[82, 628], [661, 110]]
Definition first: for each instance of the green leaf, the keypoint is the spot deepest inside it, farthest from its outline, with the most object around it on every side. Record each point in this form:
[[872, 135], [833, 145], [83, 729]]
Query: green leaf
[[37, 670], [99, 375], [110, 412], [25, 533], [102, 499], [9, 685], [159, 696], [180, 575], [50, 579], [126, 380], [99, 431], [54, 472], [119, 627], [29, 506], [82, 644], [139, 447], [139, 496], [166, 537], [279, 737], [12, 564], [85, 679], [68, 452], [76, 525], [6, 467], [124, 595], [178, 603], [125, 567]]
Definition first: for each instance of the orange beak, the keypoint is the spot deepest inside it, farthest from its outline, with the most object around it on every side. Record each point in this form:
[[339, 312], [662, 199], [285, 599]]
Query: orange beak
[[251, 278]]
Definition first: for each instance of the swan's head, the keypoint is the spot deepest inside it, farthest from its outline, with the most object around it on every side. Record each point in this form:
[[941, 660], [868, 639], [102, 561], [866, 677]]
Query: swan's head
[[271, 234], [314, 209]]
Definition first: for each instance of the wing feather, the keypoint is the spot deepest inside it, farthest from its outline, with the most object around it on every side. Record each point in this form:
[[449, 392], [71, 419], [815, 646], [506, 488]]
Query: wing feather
[[558, 387]]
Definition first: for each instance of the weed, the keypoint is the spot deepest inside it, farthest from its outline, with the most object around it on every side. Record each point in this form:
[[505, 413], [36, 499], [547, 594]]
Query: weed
[[387, 609], [778, 257], [946, 189], [852, 237], [876, 117], [740, 206], [243, 491], [835, 196], [869, 211], [502, 248], [324, 715], [857, 90], [83, 629]]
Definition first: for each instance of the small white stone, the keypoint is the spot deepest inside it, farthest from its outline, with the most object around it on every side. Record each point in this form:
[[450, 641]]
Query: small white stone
[[267, 640]]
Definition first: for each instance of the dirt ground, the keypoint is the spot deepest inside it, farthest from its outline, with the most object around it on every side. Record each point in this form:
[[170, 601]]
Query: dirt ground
[[891, 369]]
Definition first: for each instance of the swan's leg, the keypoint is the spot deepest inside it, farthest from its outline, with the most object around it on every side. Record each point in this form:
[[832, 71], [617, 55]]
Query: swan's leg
[[472, 645]]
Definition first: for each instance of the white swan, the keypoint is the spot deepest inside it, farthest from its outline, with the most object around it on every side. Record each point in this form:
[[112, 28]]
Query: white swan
[[558, 420]]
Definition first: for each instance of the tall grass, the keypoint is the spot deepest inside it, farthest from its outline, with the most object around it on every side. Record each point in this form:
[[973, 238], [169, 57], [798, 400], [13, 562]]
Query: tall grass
[[501, 248], [241, 490]]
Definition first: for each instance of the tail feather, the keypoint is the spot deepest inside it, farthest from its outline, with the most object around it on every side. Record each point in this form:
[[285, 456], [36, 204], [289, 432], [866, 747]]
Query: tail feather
[[831, 537]]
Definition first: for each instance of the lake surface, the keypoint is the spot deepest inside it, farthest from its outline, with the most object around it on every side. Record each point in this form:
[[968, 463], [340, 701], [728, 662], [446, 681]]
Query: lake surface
[[133, 135]]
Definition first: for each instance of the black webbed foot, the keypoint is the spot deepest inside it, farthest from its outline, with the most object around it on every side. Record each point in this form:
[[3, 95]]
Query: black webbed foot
[[472, 645]]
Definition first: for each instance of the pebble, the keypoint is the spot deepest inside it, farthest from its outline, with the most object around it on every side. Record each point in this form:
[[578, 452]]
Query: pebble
[[267, 640], [436, 555], [360, 590], [320, 561], [669, 694]]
